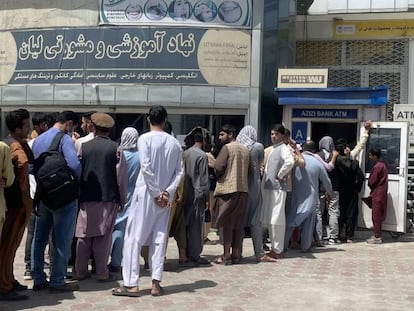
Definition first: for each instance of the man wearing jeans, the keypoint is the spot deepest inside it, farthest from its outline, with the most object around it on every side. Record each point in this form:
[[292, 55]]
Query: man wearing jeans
[[61, 220]]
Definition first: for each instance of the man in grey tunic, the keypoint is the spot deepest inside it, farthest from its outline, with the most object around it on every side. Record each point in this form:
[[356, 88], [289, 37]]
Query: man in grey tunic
[[196, 198], [305, 196]]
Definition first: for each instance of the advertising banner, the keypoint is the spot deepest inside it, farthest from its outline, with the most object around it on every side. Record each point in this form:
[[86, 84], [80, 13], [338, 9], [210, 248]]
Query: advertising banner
[[202, 13], [373, 29], [126, 55]]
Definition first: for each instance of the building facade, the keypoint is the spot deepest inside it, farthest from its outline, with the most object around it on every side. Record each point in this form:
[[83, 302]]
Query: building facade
[[202, 59]]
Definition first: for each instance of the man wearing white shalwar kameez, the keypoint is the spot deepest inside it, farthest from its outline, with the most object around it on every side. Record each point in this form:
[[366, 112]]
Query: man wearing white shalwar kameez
[[274, 191], [158, 179]]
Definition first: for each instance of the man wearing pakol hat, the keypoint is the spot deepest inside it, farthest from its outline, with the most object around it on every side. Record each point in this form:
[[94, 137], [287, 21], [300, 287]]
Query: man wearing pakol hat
[[103, 192]]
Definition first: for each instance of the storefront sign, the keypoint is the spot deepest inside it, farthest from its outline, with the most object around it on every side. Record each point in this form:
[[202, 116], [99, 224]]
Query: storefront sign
[[299, 131], [302, 78], [373, 28], [325, 113], [405, 113], [126, 55], [199, 13]]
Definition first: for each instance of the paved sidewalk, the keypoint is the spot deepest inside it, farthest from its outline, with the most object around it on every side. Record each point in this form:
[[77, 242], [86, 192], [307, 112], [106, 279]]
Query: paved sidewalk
[[354, 276]]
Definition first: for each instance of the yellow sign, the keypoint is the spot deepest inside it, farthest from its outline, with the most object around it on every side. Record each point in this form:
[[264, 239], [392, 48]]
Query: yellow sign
[[374, 28]]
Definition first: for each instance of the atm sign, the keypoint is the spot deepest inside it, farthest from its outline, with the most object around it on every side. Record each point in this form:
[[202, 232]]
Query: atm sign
[[325, 113]]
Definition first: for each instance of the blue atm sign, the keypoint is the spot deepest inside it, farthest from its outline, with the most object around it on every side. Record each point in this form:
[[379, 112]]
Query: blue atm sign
[[325, 113]]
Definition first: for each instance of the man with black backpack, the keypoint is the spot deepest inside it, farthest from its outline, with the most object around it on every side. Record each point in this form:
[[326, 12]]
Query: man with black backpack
[[55, 211]]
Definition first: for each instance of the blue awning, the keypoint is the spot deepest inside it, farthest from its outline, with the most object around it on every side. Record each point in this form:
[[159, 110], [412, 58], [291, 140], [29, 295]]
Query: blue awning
[[376, 96]]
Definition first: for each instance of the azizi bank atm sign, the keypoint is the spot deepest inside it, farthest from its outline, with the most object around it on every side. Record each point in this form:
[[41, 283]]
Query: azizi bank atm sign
[[302, 78]]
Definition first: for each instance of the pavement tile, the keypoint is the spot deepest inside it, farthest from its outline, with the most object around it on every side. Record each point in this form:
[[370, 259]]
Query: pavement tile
[[336, 277]]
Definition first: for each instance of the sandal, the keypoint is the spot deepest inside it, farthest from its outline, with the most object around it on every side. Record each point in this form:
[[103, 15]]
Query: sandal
[[221, 261], [156, 289], [266, 258], [124, 292]]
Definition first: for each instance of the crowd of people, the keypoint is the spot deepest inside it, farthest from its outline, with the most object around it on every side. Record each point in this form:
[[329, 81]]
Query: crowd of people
[[134, 194]]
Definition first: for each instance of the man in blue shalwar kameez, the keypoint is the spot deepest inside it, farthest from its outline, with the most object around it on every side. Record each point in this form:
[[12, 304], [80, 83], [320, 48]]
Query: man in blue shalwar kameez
[[305, 196]]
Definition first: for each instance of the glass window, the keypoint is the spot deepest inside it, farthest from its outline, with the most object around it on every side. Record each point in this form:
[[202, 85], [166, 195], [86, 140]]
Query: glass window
[[388, 142]]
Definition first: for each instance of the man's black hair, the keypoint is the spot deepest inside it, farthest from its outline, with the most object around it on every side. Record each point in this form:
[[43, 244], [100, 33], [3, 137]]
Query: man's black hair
[[168, 127], [279, 128], [157, 115], [68, 116], [309, 145], [14, 119], [375, 152], [51, 119], [38, 118], [198, 137], [228, 128], [87, 115], [340, 146]]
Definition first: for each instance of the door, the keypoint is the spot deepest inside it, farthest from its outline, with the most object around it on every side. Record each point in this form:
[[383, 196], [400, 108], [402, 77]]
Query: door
[[336, 130], [392, 139]]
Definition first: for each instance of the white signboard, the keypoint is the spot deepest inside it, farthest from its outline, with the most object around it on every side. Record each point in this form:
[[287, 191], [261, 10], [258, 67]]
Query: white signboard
[[202, 13], [406, 113], [302, 78]]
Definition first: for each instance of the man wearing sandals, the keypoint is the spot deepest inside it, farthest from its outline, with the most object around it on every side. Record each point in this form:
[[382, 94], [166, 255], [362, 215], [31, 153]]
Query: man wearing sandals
[[158, 179], [103, 192], [231, 166]]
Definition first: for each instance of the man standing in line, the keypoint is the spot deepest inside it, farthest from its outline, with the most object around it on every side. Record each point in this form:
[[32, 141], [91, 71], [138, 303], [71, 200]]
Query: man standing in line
[[158, 179], [62, 220], [274, 190], [196, 198], [305, 196], [248, 137], [18, 124], [129, 146], [87, 128], [378, 183], [103, 193], [41, 124], [232, 167], [6, 179]]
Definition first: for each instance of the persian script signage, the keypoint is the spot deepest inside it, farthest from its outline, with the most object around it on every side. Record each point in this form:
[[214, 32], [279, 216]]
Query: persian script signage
[[126, 55], [373, 28]]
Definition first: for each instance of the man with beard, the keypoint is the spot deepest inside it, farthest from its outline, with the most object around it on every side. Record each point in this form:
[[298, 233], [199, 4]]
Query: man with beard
[[196, 198], [232, 166]]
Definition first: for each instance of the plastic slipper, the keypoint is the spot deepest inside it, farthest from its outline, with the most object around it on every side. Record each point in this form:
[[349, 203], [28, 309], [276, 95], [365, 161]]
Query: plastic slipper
[[123, 291]]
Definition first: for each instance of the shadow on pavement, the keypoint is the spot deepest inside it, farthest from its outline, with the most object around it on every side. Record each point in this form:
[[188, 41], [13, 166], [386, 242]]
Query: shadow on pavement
[[180, 288], [36, 299]]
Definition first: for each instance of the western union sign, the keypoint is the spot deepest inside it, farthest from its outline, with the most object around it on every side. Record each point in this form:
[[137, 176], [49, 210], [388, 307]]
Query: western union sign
[[302, 78]]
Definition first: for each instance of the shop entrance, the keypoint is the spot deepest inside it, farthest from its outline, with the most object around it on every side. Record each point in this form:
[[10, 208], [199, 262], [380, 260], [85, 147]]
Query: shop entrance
[[348, 131]]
